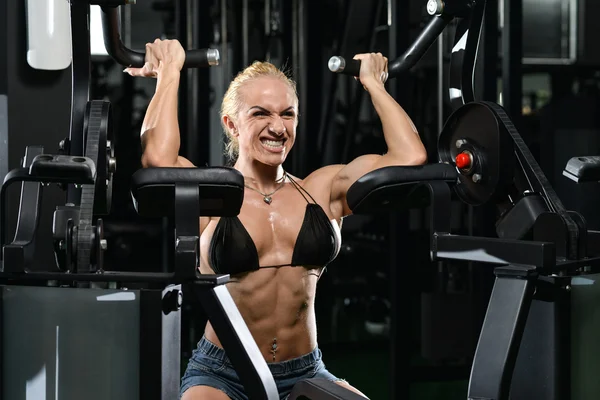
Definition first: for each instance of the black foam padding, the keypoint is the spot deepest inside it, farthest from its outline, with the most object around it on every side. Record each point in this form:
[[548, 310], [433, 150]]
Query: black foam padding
[[389, 187], [60, 167], [221, 190]]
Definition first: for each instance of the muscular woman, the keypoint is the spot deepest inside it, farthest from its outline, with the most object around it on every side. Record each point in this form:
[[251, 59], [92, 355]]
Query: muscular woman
[[288, 228]]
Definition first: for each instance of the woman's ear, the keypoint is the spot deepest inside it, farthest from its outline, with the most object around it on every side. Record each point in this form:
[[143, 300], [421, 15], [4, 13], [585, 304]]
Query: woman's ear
[[230, 124]]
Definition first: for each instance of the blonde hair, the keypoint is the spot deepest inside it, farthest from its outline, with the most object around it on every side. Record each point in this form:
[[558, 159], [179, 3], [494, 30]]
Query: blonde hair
[[232, 101]]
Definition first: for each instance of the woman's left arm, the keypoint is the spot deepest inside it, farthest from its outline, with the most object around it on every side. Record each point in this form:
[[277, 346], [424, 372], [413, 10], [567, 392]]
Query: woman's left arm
[[404, 146]]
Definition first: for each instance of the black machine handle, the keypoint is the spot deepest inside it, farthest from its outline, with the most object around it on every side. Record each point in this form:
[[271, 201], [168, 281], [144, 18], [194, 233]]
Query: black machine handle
[[114, 46], [407, 60]]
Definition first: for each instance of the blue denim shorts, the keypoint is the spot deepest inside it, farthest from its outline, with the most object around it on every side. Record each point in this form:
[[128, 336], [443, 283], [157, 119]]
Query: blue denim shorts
[[209, 366]]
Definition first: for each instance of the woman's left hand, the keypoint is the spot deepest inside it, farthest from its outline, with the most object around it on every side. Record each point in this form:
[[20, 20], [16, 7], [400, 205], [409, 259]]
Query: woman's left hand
[[373, 69]]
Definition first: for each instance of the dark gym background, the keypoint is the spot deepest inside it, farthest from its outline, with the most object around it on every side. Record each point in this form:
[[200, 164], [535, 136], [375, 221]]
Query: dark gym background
[[390, 321]]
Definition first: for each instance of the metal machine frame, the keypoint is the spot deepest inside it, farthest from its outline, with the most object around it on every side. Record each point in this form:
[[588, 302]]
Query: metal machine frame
[[540, 243]]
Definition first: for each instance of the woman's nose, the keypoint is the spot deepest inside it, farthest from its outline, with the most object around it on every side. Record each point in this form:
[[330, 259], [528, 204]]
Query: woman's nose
[[277, 127]]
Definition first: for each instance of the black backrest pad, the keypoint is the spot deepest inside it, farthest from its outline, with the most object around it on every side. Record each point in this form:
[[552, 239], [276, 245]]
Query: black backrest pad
[[391, 184], [221, 190]]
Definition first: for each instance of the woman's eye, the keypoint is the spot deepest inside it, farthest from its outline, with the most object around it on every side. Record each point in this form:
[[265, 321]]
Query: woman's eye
[[258, 114]]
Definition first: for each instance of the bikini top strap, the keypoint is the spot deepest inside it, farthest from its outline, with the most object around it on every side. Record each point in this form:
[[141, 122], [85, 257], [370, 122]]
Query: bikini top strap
[[300, 189]]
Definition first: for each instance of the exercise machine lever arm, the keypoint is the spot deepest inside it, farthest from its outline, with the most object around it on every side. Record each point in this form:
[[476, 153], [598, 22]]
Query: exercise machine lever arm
[[114, 45], [464, 51], [414, 53], [443, 13], [407, 60]]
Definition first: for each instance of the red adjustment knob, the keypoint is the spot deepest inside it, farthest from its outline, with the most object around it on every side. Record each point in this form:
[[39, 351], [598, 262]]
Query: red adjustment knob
[[463, 160]]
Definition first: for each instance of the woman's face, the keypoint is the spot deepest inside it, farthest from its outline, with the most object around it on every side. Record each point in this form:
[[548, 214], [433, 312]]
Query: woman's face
[[267, 119]]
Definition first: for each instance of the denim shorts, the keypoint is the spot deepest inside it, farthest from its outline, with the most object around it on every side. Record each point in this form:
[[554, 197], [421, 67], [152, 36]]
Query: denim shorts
[[209, 366]]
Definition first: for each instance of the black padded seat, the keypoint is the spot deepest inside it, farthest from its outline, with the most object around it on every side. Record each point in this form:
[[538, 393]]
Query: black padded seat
[[396, 187], [221, 190]]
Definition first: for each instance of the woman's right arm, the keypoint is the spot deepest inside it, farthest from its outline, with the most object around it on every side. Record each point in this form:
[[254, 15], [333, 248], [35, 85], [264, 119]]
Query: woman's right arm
[[160, 129]]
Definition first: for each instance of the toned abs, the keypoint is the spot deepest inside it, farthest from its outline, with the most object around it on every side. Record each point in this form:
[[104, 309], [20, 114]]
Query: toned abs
[[277, 304]]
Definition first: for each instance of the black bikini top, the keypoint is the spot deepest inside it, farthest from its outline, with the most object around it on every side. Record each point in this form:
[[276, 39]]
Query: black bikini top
[[232, 250]]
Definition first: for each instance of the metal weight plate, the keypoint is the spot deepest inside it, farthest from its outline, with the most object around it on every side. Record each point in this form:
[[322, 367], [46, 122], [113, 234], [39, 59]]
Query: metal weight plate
[[477, 143]]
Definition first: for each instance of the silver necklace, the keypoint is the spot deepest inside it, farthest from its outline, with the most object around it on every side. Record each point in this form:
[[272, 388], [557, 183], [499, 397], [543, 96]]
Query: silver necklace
[[267, 197]]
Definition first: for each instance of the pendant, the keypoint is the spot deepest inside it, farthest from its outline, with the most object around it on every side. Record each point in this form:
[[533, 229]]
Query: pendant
[[267, 199]]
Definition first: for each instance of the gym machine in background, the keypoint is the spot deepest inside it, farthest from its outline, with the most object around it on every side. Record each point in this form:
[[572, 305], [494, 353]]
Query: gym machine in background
[[536, 338], [54, 319], [583, 169]]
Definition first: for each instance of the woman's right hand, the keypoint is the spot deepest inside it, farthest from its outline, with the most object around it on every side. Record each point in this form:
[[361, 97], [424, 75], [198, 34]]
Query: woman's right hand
[[161, 56]]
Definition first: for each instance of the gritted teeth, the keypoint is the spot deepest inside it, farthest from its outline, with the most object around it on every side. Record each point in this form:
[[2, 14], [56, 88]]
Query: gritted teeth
[[272, 143]]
